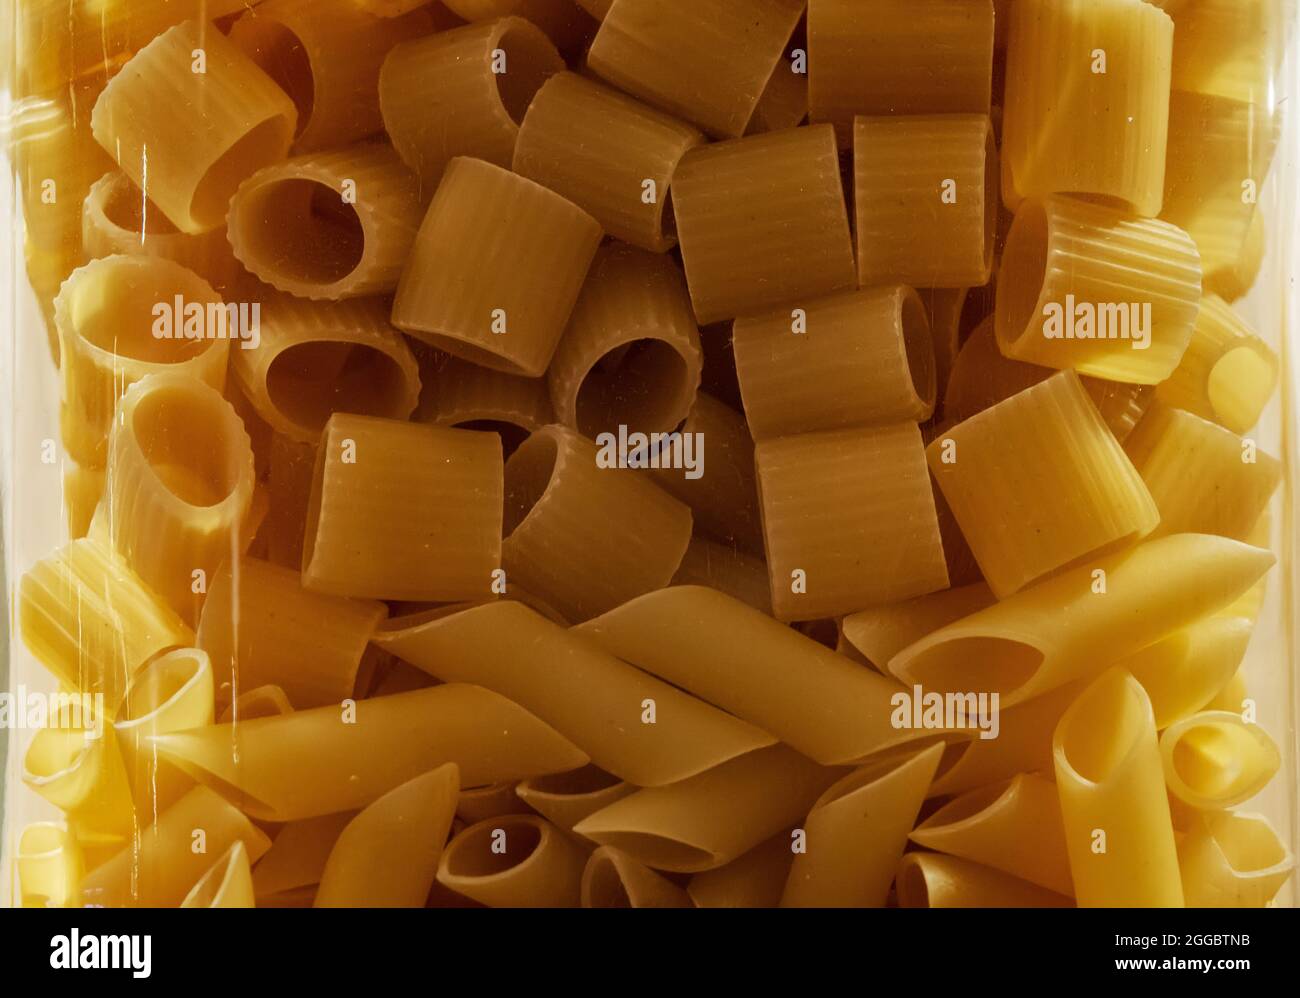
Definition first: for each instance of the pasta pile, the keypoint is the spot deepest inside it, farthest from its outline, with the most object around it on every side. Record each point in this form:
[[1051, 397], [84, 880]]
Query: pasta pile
[[651, 453]]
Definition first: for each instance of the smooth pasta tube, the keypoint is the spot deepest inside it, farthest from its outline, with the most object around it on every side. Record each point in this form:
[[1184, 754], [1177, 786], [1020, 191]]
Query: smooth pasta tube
[[754, 880], [722, 567], [456, 393], [328, 225], [729, 654], [1087, 287], [387, 856], [1227, 375], [463, 93], [565, 799], [933, 880], [613, 879], [318, 358], [762, 223], [1014, 827], [856, 832], [710, 819], [1216, 759], [514, 861], [180, 486], [261, 701], [1087, 101], [607, 153], [926, 198], [227, 884], [403, 511], [299, 853], [851, 359], [495, 269], [881, 632], [118, 218], [50, 866], [189, 150], [842, 535], [1069, 626], [327, 759], [82, 490], [1039, 482], [630, 356], [901, 58], [75, 763], [1182, 673], [586, 536], [705, 61], [629, 723], [477, 803], [1233, 860], [118, 322], [260, 626], [1231, 48]]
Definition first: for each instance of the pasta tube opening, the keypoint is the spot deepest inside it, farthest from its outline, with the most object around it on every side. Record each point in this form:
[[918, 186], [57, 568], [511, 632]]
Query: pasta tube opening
[[308, 382], [1022, 273], [1216, 759], [227, 884], [1103, 729], [471, 854], [173, 426], [311, 233], [1004, 664], [284, 58]]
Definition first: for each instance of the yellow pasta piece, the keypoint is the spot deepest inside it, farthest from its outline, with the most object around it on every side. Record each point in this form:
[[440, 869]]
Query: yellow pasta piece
[[49, 865], [396, 8], [190, 163], [566, 798], [629, 723], [387, 856], [463, 92], [1233, 696], [488, 801], [564, 509], [298, 854], [1118, 831], [260, 626], [721, 567], [784, 101], [1087, 101], [729, 654], [426, 500], [327, 759], [1216, 759], [1182, 673], [289, 481], [762, 223], [1070, 626], [755, 880], [932, 880], [1234, 280], [457, 393], [901, 57], [926, 197], [330, 224], [856, 832], [82, 490], [706, 61], [496, 269], [840, 534], [514, 861], [1228, 373], [629, 153], [227, 884], [852, 359], [261, 701], [613, 879], [1233, 860], [1231, 48], [947, 312], [1087, 287], [881, 632]]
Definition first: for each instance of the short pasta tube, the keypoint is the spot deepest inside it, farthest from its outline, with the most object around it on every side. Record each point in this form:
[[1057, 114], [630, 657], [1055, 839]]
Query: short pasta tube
[[456, 393], [1217, 759], [630, 357], [841, 533], [329, 224], [1230, 48], [753, 880], [1233, 860], [1232, 281], [514, 861], [227, 884], [933, 880], [566, 798], [212, 128], [613, 879], [852, 359], [50, 865], [1087, 287], [82, 490], [629, 153], [403, 511], [762, 222], [1182, 673], [495, 269], [881, 632]]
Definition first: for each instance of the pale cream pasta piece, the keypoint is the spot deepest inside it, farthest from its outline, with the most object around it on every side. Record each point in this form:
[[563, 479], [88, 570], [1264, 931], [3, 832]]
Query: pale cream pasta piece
[[926, 199], [613, 879], [565, 799], [495, 269], [1087, 287], [1231, 48], [630, 723], [260, 626], [1233, 860], [330, 225], [855, 834], [731, 655], [1087, 101], [842, 534], [853, 359], [463, 92], [404, 511], [514, 861], [299, 853], [1074, 624], [387, 856], [933, 880], [227, 884], [456, 393], [754, 880], [121, 318], [1227, 375], [706, 61], [899, 58], [762, 222], [189, 118], [630, 357], [607, 153], [313, 359], [881, 632], [710, 819], [1234, 280], [488, 801], [1234, 696], [49, 865], [336, 758], [82, 490], [1182, 673], [1217, 759], [726, 569], [582, 532]]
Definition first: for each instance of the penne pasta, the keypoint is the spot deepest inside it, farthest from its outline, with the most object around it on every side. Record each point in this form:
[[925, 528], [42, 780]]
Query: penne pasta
[[49, 865], [488, 801], [933, 880], [1233, 860], [261, 701], [299, 853], [613, 879], [564, 799], [1217, 759], [754, 880], [881, 632], [1230, 49], [227, 884], [514, 861], [1182, 673]]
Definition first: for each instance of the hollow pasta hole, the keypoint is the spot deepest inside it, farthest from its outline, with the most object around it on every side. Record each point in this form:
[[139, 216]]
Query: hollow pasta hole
[[919, 347], [1024, 269], [281, 54], [114, 309], [182, 435], [311, 381], [574, 783], [472, 855], [303, 230], [1102, 727], [605, 887], [530, 60], [528, 474], [511, 434], [126, 208], [641, 385], [260, 147]]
